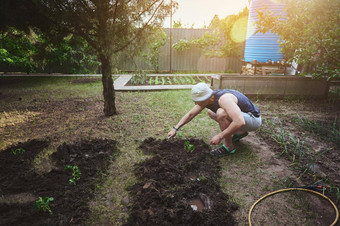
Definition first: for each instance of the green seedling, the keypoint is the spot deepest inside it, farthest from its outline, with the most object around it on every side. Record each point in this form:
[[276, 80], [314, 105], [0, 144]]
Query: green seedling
[[189, 147], [42, 204], [19, 151], [156, 80], [163, 81], [201, 178], [75, 174], [169, 81], [193, 81], [182, 80], [150, 81], [176, 81], [201, 80]]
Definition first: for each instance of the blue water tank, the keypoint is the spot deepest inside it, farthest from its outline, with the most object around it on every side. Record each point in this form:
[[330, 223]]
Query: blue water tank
[[262, 47]]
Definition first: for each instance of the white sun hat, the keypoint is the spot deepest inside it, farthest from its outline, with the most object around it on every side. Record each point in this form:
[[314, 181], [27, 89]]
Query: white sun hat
[[201, 92]]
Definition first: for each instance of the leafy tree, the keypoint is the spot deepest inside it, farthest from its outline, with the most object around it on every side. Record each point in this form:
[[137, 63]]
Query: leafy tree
[[177, 24], [215, 23], [108, 26], [309, 34], [32, 51], [156, 39], [226, 40], [16, 50]]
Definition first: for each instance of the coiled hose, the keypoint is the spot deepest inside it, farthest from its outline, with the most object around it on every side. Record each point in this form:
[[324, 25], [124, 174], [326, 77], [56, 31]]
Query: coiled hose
[[295, 189]]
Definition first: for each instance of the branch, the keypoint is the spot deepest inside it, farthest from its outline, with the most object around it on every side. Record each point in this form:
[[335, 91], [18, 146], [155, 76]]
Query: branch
[[141, 30]]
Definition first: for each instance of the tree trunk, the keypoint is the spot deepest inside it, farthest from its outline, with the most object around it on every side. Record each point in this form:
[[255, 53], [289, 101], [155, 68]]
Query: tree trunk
[[108, 89]]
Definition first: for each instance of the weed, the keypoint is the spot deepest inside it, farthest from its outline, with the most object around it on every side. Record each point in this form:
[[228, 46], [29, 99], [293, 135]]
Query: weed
[[189, 147], [42, 204], [19, 151], [75, 174]]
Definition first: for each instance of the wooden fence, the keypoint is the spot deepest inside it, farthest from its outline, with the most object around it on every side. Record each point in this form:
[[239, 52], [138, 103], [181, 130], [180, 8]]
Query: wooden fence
[[184, 60]]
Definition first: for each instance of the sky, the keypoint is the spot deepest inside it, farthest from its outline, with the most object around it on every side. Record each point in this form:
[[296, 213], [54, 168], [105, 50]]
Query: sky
[[201, 12]]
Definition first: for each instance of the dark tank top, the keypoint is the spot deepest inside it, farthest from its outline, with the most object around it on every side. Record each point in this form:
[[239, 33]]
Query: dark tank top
[[242, 101]]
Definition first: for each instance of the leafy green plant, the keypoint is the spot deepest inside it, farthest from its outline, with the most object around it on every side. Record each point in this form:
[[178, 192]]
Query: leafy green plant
[[308, 34], [139, 78], [176, 80], [156, 80], [182, 80], [19, 151], [42, 204], [156, 41], [193, 81], [201, 178], [189, 147], [150, 81], [75, 174], [163, 81], [169, 81]]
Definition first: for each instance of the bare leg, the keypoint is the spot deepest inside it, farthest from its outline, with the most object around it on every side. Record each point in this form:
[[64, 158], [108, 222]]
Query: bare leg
[[224, 122]]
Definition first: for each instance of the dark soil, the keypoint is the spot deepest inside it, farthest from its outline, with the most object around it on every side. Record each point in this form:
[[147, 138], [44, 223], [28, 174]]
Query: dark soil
[[70, 205], [172, 179]]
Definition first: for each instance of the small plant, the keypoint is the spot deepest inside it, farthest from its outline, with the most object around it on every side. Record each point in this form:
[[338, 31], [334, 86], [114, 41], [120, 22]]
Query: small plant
[[75, 174], [176, 81], [163, 81], [193, 81], [201, 80], [150, 81], [188, 80], [42, 204], [139, 78], [201, 178], [169, 81], [156, 80], [182, 80], [189, 147], [19, 151]]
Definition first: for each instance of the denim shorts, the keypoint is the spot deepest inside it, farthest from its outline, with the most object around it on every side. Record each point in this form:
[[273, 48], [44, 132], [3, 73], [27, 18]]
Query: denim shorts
[[252, 122]]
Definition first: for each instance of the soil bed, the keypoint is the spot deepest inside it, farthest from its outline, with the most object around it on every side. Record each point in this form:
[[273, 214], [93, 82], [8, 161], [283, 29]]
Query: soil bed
[[167, 80], [178, 187], [21, 185]]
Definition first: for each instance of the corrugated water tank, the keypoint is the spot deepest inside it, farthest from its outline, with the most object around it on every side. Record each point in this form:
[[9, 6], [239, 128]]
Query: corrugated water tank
[[262, 47]]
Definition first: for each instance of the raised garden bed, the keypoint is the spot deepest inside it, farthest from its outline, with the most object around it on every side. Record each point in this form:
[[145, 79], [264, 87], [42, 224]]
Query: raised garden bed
[[272, 86], [151, 80]]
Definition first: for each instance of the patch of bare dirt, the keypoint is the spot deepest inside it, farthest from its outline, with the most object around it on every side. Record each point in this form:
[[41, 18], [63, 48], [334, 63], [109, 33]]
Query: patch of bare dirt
[[179, 187], [70, 205]]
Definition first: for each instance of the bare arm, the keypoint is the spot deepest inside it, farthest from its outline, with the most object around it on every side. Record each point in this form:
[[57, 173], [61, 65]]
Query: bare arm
[[186, 118]]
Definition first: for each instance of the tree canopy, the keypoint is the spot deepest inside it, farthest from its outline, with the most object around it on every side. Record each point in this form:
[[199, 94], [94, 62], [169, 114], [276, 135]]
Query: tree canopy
[[226, 39], [309, 34], [108, 26]]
